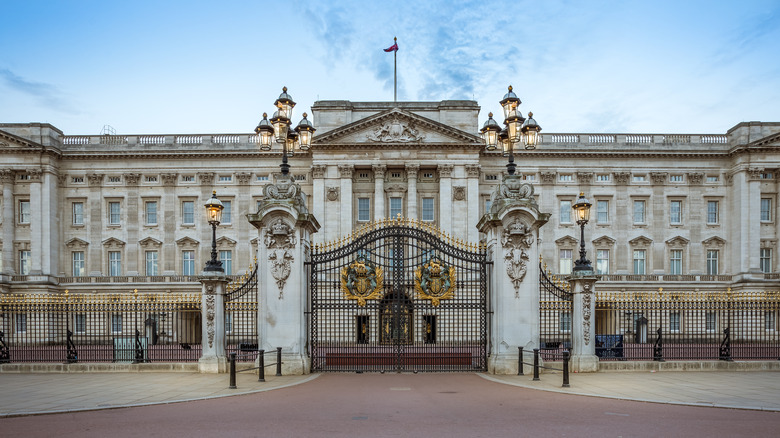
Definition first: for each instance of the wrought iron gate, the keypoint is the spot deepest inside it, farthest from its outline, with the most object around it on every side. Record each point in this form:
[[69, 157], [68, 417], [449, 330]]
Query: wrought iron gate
[[555, 313], [241, 316], [398, 296]]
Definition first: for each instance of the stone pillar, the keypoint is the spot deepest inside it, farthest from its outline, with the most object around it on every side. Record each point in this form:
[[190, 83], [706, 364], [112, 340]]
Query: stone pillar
[[36, 222], [473, 201], [512, 230], [318, 172], [169, 205], [411, 199], [379, 191], [213, 287], [131, 256], [285, 229], [7, 178], [345, 171], [583, 329], [445, 197]]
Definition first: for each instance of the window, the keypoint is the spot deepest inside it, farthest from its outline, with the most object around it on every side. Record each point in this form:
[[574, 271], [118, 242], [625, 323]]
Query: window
[[77, 180], [226, 257], [710, 321], [564, 263], [364, 209], [602, 261], [638, 178], [227, 212], [675, 262], [151, 262], [491, 177], [188, 212], [675, 212], [225, 178], [426, 175], [396, 207], [766, 210], [80, 323], [115, 179], [639, 212], [188, 262], [187, 178], [151, 179], [228, 322], [114, 263], [529, 177], [21, 323], [767, 175], [78, 213], [604, 177], [24, 262], [712, 179], [24, 212], [565, 178], [769, 320], [674, 321], [639, 261], [565, 212], [487, 205], [395, 174], [427, 209], [116, 323], [675, 178], [602, 212], [712, 262], [262, 177], [712, 212], [766, 260], [151, 212], [78, 263], [300, 177], [564, 322], [113, 213]]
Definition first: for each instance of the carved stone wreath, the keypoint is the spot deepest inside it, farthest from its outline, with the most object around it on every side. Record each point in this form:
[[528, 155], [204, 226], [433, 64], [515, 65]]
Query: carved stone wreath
[[280, 239], [517, 240], [459, 193], [333, 194]]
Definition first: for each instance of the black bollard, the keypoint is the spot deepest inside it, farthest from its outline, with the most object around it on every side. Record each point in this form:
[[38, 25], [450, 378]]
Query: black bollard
[[261, 365], [520, 362], [536, 364], [278, 361], [566, 368], [232, 371]]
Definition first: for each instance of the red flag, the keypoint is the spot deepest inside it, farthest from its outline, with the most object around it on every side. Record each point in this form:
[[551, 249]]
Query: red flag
[[393, 48]]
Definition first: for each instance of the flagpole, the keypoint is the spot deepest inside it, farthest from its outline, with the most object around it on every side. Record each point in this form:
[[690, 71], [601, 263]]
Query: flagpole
[[395, 72]]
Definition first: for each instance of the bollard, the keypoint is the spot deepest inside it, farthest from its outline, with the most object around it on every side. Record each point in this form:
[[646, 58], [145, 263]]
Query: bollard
[[536, 364], [565, 368], [261, 369], [278, 361], [232, 371], [520, 362]]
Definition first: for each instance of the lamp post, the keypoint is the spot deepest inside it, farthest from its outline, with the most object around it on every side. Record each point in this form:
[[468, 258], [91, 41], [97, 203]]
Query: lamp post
[[279, 129], [518, 130], [582, 212], [214, 213]]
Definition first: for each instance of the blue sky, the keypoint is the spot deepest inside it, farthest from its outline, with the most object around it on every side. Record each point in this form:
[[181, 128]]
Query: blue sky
[[215, 67]]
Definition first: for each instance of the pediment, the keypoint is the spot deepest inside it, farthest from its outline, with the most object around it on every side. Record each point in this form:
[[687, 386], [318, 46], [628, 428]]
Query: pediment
[[713, 241], [76, 243], [113, 242], [566, 240], [150, 241], [226, 241], [640, 241], [604, 241], [396, 127], [10, 142], [187, 241], [677, 241]]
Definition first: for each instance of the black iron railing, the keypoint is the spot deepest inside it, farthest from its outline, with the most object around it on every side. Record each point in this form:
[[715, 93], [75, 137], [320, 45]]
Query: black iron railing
[[555, 315]]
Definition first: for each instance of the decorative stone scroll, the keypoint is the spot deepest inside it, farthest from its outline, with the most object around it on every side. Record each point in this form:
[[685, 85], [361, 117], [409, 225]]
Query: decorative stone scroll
[[210, 314], [517, 240], [280, 239], [587, 297], [396, 131], [95, 179], [131, 179]]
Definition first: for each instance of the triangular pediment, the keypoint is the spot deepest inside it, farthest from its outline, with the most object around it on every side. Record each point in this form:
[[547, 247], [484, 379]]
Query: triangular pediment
[[677, 241], [76, 243], [713, 241], [640, 241], [566, 240], [226, 241], [113, 242], [150, 241], [13, 142], [187, 241], [396, 127], [604, 241]]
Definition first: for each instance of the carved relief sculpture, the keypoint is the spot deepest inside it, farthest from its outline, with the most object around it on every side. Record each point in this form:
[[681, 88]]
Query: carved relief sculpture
[[279, 239], [210, 313], [361, 281], [333, 194], [459, 193], [435, 281], [395, 131], [587, 297], [517, 240]]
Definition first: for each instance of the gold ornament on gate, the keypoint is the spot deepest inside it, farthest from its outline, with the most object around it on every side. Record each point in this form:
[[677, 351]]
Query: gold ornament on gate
[[435, 281], [361, 281]]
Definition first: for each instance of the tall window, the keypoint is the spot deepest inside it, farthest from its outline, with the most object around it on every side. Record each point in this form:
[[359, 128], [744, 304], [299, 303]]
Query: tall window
[[564, 323], [602, 261], [188, 262], [21, 323], [151, 212], [427, 209], [766, 209], [24, 262], [188, 213], [80, 323], [711, 321], [675, 212], [769, 320], [78, 213], [639, 261], [602, 212], [24, 212], [565, 261], [565, 212], [116, 323], [675, 262], [228, 322], [639, 212], [766, 260], [227, 213], [114, 212], [364, 209], [151, 262], [226, 257], [712, 212], [114, 263], [674, 321], [396, 207], [78, 263], [712, 262]]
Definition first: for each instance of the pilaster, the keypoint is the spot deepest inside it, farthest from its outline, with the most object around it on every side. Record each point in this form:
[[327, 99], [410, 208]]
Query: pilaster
[[583, 332], [472, 201], [345, 171], [213, 287], [7, 178], [36, 221], [379, 190], [411, 202], [445, 197]]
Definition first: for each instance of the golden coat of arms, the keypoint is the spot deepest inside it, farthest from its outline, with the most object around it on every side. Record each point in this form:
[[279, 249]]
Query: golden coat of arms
[[361, 281], [435, 281]]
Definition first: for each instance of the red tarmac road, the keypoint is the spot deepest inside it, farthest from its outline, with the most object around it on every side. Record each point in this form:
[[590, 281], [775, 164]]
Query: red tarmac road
[[402, 405]]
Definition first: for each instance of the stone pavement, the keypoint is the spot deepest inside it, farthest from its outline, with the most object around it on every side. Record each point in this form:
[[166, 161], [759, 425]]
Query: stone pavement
[[35, 393]]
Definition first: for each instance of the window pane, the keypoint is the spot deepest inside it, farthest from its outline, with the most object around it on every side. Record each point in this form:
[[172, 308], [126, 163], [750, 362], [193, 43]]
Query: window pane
[[675, 262], [151, 213], [639, 261], [78, 213], [565, 261], [188, 212], [675, 212], [639, 212], [24, 262], [565, 322], [78, 263], [766, 260], [427, 209], [226, 257], [565, 212], [674, 321], [602, 209], [151, 262], [712, 262], [766, 209], [114, 263], [116, 323], [113, 213], [227, 213], [712, 212], [395, 207], [602, 261], [80, 324], [711, 321], [24, 212], [364, 209], [188, 261]]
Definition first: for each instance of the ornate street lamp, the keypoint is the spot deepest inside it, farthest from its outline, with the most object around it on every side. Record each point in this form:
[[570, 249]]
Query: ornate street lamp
[[582, 213], [278, 128], [518, 130], [214, 214]]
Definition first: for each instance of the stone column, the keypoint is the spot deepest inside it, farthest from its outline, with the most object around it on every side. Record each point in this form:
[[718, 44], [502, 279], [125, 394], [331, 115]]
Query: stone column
[[473, 201], [133, 230], [36, 222], [7, 178], [411, 199], [169, 204], [213, 287], [583, 329], [345, 171], [379, 190], [512, 230], [50, 232], [445, 197], [318, 172]]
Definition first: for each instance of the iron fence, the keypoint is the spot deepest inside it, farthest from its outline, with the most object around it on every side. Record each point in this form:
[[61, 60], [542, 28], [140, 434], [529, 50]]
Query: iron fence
[[241, 317], [555, 315]]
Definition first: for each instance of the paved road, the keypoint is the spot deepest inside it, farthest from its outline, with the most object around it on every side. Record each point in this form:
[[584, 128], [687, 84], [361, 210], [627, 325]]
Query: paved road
[[399, 405]]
